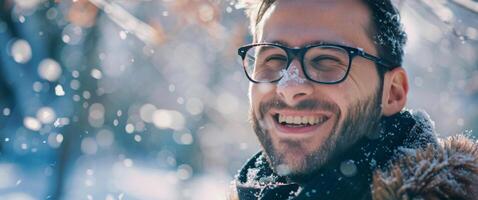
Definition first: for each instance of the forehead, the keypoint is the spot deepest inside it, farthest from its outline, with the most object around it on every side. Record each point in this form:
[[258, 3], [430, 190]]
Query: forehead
[[300, 22]]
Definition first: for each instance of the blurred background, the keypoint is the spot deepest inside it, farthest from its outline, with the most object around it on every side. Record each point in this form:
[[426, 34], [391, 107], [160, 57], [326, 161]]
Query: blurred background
[[146, 99]]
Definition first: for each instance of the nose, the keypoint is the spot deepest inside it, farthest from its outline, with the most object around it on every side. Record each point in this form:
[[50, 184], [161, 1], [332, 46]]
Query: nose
[[294, 87]]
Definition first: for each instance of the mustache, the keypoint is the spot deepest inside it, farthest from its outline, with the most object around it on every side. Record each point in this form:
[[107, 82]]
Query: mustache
[[307, 104]]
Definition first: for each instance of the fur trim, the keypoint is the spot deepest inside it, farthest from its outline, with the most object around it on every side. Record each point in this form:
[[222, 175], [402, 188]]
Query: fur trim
[[447, 171], [423, 132]]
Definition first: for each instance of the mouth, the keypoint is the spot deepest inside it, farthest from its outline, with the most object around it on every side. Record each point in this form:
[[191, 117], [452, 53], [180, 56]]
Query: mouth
[[299, 124]]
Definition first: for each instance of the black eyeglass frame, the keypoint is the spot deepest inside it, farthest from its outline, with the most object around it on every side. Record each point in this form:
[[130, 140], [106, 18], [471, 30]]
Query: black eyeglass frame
[[300, 52]]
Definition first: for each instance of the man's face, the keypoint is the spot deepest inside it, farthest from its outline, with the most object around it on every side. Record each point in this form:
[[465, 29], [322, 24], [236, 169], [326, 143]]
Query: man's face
[[338, 114]]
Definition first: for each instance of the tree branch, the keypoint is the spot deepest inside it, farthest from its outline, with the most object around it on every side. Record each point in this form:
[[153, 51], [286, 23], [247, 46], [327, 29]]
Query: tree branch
[[468, 4]]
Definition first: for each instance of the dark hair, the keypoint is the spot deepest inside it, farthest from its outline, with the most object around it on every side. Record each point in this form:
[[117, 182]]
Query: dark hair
[[386, 30]]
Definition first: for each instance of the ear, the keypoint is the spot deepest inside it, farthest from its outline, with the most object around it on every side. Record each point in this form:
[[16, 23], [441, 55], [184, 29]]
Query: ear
[[395, 90]]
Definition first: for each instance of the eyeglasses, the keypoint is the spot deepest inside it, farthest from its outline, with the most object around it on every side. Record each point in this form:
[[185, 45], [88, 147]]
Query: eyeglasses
[[321, 63]]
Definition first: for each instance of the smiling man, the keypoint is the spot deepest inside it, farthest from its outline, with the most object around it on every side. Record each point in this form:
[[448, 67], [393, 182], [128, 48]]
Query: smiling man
[[327, 98]]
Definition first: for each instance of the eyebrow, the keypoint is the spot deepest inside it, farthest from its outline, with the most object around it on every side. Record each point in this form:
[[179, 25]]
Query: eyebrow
[[284, 43], [279, 42], [264, 49]]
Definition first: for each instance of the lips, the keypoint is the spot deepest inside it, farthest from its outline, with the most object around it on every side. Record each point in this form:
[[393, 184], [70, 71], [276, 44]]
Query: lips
[[298, 123]]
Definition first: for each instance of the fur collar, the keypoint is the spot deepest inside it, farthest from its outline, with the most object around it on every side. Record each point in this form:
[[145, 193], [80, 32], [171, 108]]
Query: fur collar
[[447, 171]]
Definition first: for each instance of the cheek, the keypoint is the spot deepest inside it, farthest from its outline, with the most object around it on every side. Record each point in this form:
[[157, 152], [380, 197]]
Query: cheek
[[364, 82], [249, 93], [359, 85], [257, 93], [343, 97]]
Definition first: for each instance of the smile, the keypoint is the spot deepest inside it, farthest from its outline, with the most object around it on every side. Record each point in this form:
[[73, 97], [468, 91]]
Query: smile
[[298, 124], [299, 120]]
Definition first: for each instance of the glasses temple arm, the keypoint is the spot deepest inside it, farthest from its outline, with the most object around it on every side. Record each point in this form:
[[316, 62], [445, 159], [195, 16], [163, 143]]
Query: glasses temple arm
[[377, 60]]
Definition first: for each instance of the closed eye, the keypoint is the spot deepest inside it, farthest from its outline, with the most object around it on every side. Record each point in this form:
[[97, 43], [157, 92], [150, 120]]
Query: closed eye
[[276, 58], [323, 58]]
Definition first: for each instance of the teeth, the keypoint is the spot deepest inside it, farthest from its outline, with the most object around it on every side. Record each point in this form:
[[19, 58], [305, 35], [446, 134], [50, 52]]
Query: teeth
[[289, 120], [301, 119], [311, 120], [305, 120]]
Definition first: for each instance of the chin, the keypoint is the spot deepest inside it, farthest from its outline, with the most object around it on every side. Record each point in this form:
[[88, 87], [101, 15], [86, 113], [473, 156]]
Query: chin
[[297, 155]]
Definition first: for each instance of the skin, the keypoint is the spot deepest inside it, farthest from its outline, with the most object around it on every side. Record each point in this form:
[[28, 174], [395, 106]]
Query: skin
[[296, 24]]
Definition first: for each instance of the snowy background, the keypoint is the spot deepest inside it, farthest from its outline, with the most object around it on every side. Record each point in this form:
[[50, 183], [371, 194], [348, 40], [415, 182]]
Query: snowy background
[[146, 99]]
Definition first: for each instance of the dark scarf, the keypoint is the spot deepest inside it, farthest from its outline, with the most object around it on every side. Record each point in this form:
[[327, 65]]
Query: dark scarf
[[349, 175]]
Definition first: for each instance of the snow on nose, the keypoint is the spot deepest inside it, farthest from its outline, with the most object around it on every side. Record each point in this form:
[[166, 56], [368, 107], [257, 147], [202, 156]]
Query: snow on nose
[[290, 76]]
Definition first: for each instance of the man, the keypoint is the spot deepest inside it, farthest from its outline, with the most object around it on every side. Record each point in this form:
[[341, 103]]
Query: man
[[327, 98]]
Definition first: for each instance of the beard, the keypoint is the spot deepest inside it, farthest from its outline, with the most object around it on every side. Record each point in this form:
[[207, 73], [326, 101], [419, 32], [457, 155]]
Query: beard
[[362, 120]]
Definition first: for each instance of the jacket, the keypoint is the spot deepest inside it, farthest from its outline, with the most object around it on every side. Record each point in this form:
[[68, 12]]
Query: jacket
[[367, 170]]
